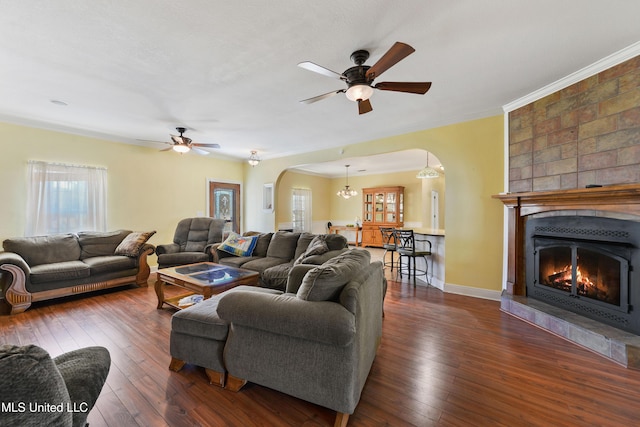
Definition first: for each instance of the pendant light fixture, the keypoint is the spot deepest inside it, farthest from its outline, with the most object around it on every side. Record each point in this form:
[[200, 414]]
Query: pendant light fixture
[[346, 192], [427, 172], [253, 159]]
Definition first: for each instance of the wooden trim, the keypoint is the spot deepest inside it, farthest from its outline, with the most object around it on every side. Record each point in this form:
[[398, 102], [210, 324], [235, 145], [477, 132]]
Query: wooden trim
[[234, 383], [341, 420]]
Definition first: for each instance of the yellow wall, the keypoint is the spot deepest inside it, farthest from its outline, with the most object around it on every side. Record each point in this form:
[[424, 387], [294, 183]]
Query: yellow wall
[[473, 155], [320, 195], [147, 189]]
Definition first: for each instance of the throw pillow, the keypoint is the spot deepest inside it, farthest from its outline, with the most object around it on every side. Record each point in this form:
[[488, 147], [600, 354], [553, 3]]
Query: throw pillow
[[317, 246], [325, 282], [239, 245], [132, 244]]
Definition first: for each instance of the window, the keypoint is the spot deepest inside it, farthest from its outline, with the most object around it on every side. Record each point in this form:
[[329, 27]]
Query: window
[[65, 198], [301, 205]]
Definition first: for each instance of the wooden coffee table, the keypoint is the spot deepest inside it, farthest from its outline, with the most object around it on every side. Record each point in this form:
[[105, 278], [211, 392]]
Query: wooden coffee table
[[204, 278]]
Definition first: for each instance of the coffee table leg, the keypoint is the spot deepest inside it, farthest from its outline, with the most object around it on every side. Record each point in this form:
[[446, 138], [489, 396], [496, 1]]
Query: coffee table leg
[[159, 287]]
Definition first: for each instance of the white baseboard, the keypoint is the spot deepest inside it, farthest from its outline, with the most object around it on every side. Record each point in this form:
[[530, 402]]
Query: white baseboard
[[472, 292]]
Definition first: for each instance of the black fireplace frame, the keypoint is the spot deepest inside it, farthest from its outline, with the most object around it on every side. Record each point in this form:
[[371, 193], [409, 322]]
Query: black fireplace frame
[[612, 237]]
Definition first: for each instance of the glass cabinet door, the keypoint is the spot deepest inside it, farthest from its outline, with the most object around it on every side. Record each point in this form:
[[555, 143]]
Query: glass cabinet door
[[390, 212], [379, 207], [367, 215], [401, 208]]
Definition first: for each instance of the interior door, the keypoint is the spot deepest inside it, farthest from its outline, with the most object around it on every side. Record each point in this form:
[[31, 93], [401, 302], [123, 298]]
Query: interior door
[[224, 203]]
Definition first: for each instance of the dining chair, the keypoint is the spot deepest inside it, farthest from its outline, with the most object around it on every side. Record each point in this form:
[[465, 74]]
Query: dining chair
[[388, 244], [406, 247]]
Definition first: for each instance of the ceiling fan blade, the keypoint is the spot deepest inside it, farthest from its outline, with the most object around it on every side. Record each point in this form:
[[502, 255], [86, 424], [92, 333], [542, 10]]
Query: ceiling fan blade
[[196, 144], [167, 149], [409, 87], [321, 97], [320, 70], [199, 150], [364, 106], [397, 53]]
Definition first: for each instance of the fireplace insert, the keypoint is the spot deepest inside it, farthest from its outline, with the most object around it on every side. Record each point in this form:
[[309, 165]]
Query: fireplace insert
[[584, 264]]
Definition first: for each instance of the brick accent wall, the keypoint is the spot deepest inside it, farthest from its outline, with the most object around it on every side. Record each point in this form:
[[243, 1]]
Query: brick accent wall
[[587, 133]]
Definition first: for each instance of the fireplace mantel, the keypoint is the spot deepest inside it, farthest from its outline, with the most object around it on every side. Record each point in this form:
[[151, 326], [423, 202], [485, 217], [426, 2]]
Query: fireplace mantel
[[624, 199]]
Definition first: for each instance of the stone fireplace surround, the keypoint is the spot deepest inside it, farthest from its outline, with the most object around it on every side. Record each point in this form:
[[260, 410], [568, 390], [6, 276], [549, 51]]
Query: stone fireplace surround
[[617, 201]]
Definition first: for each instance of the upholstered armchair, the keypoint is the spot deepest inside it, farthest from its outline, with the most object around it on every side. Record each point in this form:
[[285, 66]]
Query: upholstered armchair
[[37, 390], [191, 242]]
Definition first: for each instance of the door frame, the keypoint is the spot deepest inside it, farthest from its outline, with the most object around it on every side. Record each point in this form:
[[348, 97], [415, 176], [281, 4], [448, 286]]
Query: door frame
[[236, 187]]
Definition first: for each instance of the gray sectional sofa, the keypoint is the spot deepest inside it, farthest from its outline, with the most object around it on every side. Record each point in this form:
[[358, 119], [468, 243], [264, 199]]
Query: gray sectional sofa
[[316, 341], [46, 267], [275, 254]]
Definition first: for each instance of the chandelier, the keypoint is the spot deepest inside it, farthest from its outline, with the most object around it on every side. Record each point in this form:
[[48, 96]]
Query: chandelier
[[427, 172], [346, 192]]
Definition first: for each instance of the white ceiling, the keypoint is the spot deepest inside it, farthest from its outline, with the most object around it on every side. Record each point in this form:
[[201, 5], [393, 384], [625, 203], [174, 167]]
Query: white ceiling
[[134, 70]]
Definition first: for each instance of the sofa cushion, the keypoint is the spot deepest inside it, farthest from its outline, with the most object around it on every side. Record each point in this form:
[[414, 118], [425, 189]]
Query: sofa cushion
[[181, 258], [261, 264], [108, 264], [276, 277], [56, 271], [236, 261], [283, 245], [45, 249], [304, 241], [325, 282], [133, 243], [238, 245], [263, 244], [317, 246], [97, 243], [29, 375]]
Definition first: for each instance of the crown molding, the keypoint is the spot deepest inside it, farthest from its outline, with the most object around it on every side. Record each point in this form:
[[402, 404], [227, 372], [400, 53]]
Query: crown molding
[[595, 68]]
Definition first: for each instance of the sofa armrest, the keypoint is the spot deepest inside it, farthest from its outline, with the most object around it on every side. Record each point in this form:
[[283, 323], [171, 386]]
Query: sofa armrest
[[169, 248], [15, 259], [321, 321]]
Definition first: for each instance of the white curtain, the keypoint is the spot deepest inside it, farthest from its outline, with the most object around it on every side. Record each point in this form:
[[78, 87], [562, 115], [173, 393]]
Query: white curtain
[[301, 205], [65, 198]]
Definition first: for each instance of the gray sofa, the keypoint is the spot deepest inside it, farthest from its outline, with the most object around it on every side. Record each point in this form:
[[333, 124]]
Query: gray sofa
[[46, 267], [275, 254], [316, 341], [69, 383]]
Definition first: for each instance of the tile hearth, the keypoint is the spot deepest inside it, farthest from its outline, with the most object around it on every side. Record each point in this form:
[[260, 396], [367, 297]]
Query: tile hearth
[[619, 346]]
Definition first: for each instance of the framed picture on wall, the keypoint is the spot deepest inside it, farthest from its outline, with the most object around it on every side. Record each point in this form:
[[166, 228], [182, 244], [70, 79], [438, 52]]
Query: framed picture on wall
[[267, 197]]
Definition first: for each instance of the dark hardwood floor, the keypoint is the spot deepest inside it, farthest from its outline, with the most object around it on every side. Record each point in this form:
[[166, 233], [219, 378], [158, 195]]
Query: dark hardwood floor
[[445, 360]]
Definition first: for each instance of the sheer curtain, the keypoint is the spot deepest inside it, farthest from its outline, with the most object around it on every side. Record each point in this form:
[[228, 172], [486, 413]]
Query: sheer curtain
[[301, 205], [65, 198]]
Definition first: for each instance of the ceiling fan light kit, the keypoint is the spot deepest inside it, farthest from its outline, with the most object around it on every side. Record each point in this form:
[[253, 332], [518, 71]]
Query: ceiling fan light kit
[[359, 79]]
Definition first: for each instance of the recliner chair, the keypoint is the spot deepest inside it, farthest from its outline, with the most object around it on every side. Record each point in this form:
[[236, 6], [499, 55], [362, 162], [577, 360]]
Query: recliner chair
[[192, 242]]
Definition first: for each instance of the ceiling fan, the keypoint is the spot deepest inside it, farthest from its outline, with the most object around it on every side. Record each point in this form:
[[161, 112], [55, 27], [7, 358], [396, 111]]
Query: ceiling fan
[[182, 144], [359, 79]]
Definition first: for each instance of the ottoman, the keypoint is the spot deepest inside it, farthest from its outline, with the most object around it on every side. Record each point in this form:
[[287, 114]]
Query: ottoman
[[198, 336]]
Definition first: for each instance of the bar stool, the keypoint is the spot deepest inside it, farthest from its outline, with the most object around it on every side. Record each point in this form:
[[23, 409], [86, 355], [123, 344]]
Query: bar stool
[[406, 247], [388, 244]]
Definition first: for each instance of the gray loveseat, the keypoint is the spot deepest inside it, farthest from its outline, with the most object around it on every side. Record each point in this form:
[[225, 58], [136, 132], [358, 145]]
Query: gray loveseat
[[46, 267], [275, 254], [316, 341], [192, 242]]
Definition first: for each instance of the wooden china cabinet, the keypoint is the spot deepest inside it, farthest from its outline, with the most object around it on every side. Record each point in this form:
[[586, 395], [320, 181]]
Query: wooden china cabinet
[[381, 207]]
